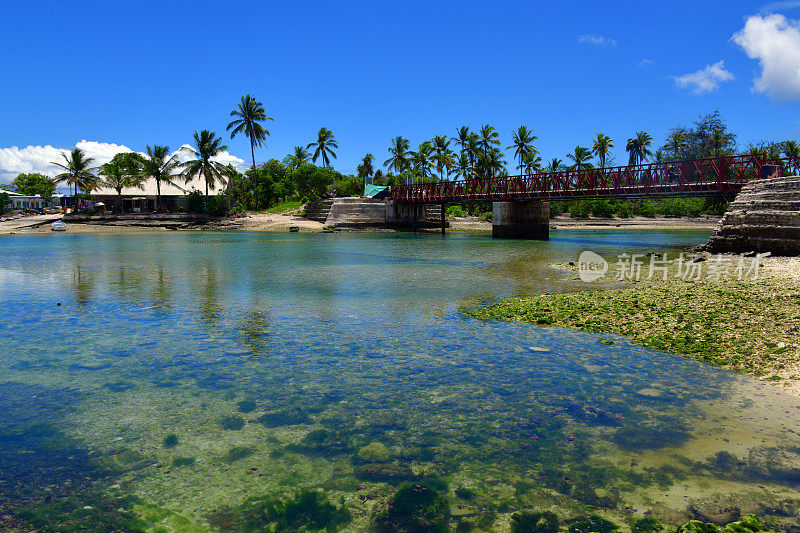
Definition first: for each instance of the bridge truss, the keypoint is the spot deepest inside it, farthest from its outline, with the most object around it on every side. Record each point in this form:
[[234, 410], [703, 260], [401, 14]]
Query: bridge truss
[[710, 176]]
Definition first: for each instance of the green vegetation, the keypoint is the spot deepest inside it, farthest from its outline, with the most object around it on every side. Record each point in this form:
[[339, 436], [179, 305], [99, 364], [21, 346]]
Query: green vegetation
[[414, 508], [246, 406], [748, 327], [232, 423], [182, 461], [237, 453], [32, 184], [626, 208], [527, 522], [170, 441], [78, 171], [594, 524], [5, 200], [304, 511]]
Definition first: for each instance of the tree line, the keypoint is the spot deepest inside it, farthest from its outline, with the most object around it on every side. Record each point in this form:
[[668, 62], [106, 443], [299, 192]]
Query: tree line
[[467, 155]]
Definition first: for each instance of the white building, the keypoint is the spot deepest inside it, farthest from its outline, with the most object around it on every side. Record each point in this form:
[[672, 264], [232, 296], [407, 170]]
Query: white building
[[173, 196], [23, 201]]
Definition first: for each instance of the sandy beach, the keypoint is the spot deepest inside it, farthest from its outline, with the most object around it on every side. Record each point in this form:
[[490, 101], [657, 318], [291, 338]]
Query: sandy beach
[[282, 222]]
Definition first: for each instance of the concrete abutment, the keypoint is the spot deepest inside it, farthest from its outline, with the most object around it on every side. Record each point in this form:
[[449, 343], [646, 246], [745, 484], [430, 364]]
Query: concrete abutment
[[521, 220]]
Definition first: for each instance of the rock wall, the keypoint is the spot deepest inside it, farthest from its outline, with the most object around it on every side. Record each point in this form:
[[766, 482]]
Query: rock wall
[[765, 217], [357, 212]]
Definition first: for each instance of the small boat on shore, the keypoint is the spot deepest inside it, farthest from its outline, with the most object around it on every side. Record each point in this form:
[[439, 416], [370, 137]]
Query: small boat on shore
[[58, 226]]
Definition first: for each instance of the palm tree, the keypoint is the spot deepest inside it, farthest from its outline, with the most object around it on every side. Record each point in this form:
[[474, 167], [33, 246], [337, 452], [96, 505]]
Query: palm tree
[[601, 146], [442, 156], [523, 144], [299, 157], [119, 173], [159, 165], [659, 156], [791, 149], [580, 157], [77, 170], [718, 140], [677, 143], [249, 113], [489, 138], [773, 152], [207, 146], [532, 162], [400, 154], [365, 169], [463, 167], [473, 147], [639, 148], [422, 160], [554, 165], [324, 146], [462, 138]]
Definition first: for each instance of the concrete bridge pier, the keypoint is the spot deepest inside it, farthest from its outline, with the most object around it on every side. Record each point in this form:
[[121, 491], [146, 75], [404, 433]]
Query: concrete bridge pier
[[521, 220]]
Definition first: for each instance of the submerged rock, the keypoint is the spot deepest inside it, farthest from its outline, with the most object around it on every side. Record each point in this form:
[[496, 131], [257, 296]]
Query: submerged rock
[[747, 524], [374, 452], [781, 463]]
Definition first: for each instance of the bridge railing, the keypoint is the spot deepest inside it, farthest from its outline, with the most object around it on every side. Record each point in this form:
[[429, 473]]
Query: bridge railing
[[698, 176]]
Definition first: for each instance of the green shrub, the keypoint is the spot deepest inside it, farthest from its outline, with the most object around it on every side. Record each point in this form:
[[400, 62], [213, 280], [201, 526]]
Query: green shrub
[[603, 208], [456, 210], [195, 202], [647, 208], [580, 209]]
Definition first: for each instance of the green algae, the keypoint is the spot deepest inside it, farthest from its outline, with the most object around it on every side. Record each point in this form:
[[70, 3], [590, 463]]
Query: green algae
[[232, 423], [414, 508], [527, 522], [246, 406], [170, 440], [304, 511], [238, 453]]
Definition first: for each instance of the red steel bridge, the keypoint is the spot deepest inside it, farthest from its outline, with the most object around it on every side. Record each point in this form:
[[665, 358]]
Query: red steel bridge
[[711, 176]]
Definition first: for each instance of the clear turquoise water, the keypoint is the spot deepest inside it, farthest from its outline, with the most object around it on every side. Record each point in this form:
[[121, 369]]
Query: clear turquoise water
[[341, 362]]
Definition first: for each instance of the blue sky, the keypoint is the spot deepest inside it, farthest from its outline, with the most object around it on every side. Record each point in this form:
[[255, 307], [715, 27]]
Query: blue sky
[[143, 73]]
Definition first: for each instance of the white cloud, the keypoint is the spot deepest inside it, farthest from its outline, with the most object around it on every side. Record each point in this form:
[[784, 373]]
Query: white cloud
[[16, 160], [704, 80], [224, 157], [645, 62], [775, 41], [597, 40]]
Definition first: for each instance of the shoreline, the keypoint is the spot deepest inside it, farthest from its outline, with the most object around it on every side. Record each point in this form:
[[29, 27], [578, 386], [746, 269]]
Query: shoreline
[[271, 222], [750, 327]]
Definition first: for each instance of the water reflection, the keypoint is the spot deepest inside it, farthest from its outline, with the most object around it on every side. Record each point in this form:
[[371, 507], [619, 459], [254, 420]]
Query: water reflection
[[247, 365]]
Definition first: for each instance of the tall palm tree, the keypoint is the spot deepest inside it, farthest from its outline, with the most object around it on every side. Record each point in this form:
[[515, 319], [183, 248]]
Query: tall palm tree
[[773, 151], [400, 154], [791, 149], [324, 146], [159, 165], [639, 148], [365, 169], [118, 174], [78, 170], [442, 156], [677, 143], [532, 162], [522, 143], [462, 138], [718, 141], [473, 147], [249, 113], [601, 147], [580, 157], [489, 138], [206, 147], [554, 165], [423, 160], [298, 158], [463, 167]]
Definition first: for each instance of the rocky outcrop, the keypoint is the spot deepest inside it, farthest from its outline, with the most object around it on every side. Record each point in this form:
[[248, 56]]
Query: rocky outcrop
[[765, 217]]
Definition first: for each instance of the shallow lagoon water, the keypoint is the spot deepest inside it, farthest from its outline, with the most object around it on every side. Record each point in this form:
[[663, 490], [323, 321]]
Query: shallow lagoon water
[[184, 373]]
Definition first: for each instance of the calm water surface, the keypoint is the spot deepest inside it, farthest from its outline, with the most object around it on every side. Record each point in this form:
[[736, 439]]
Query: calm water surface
[[183, 374]]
